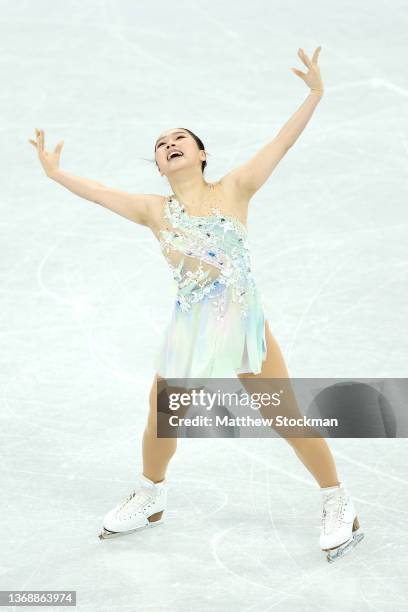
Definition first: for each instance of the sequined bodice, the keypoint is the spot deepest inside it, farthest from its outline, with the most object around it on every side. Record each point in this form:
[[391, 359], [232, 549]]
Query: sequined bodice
[[208, 255]]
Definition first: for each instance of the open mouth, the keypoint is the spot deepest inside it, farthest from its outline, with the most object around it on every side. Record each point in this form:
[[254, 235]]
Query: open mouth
[[174, 154]]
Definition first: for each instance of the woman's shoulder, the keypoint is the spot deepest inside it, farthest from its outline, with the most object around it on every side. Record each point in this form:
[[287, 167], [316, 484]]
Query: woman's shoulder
[[156, 209], [234, 201]]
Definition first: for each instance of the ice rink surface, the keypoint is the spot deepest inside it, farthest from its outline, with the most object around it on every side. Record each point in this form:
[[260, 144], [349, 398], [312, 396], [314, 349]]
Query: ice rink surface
[[86, 295]]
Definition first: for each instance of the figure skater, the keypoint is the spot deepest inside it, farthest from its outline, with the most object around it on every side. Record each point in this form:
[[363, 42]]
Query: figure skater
[[218, 324]]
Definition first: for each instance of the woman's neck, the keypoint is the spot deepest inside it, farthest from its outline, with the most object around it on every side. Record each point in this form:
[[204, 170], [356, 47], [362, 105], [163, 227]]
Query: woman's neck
[[189, 190]]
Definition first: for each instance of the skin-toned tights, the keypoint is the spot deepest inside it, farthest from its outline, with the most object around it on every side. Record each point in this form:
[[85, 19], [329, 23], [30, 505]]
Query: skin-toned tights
[[314, 453]]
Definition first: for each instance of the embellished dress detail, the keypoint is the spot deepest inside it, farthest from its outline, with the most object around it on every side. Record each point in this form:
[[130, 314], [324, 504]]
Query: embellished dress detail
[[217, 327]]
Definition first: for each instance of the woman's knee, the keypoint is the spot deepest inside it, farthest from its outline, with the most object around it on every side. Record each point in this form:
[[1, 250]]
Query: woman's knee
[[152, 414], [158, 403]]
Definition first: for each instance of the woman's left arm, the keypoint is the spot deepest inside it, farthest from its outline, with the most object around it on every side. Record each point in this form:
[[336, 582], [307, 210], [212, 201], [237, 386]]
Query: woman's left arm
[[250, 176]]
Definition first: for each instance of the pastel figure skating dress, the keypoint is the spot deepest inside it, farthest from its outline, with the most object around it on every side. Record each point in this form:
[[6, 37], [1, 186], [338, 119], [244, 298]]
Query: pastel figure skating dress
[[217, 327]]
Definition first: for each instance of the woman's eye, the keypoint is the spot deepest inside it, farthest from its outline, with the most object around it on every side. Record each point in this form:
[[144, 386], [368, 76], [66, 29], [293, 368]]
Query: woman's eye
[[162, 143]]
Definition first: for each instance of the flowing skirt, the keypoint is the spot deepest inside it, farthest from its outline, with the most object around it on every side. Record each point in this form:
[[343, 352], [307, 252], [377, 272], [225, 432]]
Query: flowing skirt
[[198, 344]]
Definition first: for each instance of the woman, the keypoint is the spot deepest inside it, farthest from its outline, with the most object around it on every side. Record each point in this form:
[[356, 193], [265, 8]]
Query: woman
[[218, 323]]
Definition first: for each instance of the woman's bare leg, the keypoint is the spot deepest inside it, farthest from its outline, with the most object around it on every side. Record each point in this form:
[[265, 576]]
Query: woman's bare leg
[[157, 452], [313, 452]]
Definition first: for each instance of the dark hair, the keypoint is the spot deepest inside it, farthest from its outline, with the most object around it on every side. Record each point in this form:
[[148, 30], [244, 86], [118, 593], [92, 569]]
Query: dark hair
[[200, 146]]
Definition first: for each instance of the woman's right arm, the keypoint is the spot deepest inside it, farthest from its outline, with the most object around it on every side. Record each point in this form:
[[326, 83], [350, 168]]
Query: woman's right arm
[[132, 206]]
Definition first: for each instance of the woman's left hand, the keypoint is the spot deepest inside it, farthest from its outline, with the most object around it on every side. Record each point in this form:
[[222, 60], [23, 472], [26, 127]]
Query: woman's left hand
[[312, 78]]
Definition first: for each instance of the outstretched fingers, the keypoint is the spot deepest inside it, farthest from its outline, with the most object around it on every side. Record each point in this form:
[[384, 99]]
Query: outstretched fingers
[[304, 58], [39, 142], [59, 147], [316, 55], [299, 73]]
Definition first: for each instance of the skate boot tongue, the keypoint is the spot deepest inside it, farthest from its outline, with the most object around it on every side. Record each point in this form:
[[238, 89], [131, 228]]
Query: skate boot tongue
[[337, 488], [146, 482]]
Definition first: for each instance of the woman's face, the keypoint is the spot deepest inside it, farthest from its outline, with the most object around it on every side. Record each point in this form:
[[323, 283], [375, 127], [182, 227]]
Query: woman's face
[[177, 149]]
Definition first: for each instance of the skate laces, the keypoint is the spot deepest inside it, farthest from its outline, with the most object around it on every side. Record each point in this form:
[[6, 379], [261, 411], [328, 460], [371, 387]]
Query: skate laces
[[137, 499], [333, 505]]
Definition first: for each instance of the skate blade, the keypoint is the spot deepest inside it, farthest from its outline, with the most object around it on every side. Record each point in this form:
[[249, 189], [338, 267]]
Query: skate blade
[[108, 535], [344, 549]]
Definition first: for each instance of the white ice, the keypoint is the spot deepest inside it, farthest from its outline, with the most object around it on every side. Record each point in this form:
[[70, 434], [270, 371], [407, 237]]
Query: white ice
[[85, 295]]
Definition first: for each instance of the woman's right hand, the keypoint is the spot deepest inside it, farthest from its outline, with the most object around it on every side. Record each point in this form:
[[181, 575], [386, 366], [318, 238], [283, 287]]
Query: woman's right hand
[[49, 160]]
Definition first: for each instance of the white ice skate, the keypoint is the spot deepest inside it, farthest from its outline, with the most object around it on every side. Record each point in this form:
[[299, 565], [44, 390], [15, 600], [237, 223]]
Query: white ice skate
[[339, 525], [144, 507]]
